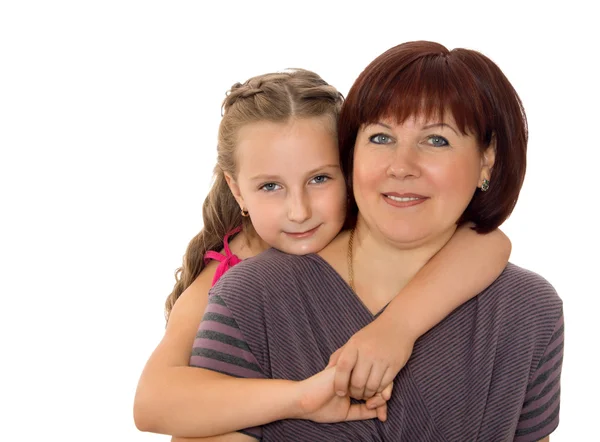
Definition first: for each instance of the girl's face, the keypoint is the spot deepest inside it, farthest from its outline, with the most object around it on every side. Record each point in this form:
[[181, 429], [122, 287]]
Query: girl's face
[[289, 179], [413, 181]]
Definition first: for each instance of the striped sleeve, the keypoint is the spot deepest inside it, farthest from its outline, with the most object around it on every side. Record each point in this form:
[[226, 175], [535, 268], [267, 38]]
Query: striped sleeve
[[539, 416], [220, 346]]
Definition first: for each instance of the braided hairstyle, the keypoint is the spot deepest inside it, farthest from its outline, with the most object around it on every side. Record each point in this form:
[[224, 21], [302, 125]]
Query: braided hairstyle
[[276, 97]]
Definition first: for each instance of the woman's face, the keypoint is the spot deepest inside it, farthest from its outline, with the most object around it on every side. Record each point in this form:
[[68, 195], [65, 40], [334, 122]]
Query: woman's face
[[289, 179], [413, 181]]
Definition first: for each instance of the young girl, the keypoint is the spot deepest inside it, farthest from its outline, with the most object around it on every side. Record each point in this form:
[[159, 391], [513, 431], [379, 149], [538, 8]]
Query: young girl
[[278, 184]]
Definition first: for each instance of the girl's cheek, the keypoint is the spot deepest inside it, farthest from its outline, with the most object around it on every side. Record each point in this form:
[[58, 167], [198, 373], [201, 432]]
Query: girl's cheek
[[333, 198]]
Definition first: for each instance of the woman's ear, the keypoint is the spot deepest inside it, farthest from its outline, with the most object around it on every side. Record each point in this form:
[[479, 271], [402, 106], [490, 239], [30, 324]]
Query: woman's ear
[[487, 162], [235, 190]]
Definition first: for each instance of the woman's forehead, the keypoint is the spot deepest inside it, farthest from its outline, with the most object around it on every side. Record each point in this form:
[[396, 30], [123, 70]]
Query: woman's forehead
[[417, 119]]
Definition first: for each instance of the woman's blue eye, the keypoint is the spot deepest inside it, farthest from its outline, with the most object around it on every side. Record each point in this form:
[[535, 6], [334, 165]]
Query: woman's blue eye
[[320, 179], [270, 187], [380, 139], [438, 141]]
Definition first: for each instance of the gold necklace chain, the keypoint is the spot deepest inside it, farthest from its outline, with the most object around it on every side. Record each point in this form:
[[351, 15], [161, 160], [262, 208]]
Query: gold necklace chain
[[350, 266]]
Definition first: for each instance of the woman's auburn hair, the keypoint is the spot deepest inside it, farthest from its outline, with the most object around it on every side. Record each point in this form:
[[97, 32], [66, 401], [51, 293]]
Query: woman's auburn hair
[[426, 79]]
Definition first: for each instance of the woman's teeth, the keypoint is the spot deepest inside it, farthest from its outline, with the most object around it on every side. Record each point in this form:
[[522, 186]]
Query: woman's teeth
[[402, 199]]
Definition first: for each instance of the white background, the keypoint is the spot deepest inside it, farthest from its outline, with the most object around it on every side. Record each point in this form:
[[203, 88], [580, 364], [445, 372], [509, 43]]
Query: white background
[[108, 120]]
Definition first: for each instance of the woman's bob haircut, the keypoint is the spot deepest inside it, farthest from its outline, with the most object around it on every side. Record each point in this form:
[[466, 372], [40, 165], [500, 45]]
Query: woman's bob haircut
[[425, 79]]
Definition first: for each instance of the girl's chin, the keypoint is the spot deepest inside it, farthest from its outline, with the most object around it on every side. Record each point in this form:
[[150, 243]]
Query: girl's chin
[[301, 249]]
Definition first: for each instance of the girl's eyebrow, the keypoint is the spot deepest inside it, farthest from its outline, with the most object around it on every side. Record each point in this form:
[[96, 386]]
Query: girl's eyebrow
[[278, 177], [326, 166], [265, 177]]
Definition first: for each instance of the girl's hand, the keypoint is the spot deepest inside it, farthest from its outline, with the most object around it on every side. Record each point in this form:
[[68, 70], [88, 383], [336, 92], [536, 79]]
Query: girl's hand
[[368, 363], [319, 402]]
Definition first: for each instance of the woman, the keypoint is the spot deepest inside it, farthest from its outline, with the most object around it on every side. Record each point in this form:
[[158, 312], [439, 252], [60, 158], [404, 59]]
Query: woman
[[420, 161]]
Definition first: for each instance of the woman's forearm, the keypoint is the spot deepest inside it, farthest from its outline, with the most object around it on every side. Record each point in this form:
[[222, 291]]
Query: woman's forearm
[[192, 402]]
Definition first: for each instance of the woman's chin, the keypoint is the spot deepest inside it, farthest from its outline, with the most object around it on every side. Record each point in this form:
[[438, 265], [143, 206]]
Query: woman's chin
[[415, 236]]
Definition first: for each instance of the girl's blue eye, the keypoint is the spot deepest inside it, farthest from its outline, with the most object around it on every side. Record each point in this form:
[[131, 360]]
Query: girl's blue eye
[[437, 141], [380, 139], [320, 179], [270, 187]]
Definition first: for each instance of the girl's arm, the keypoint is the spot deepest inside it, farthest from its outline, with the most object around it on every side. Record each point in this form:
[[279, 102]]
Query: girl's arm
[[318, 402], [173, 398], [231, 437], [463, 268]]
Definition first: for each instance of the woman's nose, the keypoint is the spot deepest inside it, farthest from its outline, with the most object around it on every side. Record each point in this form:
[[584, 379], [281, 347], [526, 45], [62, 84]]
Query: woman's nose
[[404, 163]]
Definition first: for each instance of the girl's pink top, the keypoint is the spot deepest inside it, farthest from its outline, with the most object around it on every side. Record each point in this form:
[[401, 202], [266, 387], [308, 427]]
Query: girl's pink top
[[226, 261]]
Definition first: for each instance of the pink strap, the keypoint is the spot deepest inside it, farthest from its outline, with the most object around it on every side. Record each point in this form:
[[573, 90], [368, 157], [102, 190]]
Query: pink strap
[[226, 261]]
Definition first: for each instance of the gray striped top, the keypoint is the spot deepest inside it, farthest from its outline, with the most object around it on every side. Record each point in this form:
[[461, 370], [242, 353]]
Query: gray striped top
[[489, 372]]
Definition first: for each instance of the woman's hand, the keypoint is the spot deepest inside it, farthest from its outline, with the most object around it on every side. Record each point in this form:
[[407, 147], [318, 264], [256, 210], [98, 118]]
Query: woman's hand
[[368, 363], [319, 402]]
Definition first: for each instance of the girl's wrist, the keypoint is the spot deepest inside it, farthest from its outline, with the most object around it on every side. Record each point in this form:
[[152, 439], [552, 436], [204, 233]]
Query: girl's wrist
[[302, 404], [294, 400], [404, 325]]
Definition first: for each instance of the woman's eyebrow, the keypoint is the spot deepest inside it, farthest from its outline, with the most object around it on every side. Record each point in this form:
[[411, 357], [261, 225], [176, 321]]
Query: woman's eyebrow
[[384, 125], [429, 126]]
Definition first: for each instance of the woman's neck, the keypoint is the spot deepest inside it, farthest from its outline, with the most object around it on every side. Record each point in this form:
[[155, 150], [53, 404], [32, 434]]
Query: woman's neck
[[382, 268]]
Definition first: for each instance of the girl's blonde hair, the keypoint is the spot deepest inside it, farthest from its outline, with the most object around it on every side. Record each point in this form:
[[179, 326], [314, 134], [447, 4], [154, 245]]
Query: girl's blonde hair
[[275, 97]]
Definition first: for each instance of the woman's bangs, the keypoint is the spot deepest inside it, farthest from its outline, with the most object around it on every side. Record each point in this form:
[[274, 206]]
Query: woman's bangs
[[426, 88]]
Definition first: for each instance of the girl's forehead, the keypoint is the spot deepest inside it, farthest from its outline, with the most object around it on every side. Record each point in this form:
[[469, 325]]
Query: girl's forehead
[[291, 148]]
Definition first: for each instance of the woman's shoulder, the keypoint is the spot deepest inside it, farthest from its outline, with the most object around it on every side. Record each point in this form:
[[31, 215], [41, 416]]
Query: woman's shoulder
[[525, 307], [266, 273], [267, 262], [523, 286], [521, 296]]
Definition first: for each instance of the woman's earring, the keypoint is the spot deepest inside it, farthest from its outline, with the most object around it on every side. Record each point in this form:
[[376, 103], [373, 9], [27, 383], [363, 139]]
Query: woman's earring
[[245, 213], [485, 185]]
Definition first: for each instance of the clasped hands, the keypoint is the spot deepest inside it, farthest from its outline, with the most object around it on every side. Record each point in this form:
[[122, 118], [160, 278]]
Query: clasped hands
[[363, 369]]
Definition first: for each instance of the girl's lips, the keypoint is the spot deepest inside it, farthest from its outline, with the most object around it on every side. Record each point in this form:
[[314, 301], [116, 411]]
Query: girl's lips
[[305, 234]]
